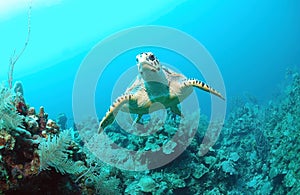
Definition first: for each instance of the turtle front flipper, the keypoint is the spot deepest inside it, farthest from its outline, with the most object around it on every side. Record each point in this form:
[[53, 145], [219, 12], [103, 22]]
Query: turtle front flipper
[[113, 110], [203, 86]]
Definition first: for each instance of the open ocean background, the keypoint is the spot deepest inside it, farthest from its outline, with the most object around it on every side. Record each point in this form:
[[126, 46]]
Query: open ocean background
[[252, 42]]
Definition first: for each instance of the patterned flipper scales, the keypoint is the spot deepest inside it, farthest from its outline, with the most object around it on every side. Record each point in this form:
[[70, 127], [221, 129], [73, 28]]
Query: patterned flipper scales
[[203, 86], [113, 110]]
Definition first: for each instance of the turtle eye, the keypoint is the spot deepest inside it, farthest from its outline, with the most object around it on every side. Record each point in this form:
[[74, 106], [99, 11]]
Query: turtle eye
[[136, 59], [151, 57]]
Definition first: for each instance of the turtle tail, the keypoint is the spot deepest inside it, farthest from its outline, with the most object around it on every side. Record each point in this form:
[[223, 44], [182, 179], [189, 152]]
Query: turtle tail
[[203, 86]]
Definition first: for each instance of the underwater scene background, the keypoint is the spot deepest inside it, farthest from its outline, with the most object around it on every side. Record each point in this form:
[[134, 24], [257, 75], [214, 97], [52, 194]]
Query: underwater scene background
[[44, 149]]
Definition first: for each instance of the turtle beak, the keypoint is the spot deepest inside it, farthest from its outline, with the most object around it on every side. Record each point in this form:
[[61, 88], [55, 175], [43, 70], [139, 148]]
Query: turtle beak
[[147, 66]]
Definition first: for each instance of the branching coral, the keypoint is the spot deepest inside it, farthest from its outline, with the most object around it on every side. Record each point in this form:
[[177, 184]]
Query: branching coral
[[14, 58]]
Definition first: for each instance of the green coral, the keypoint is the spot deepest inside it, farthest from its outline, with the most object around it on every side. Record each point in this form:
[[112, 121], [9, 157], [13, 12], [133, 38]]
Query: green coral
[[284, 133]]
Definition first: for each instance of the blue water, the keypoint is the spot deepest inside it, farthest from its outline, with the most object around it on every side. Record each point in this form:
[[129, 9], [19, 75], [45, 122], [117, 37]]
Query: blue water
[[252, 42]]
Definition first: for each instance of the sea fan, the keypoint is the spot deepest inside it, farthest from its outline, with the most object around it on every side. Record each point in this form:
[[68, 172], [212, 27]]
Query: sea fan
[[53, 153], [9, 118]]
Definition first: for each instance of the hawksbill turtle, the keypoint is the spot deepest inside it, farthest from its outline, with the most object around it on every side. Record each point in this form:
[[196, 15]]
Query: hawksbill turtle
[[154, 84]]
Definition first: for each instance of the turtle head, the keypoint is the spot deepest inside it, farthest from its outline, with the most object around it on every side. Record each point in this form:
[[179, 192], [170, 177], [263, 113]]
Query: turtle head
[[147, 63]]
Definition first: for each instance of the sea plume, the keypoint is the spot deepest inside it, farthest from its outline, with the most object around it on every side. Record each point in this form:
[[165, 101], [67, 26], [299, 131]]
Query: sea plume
[[9, 118]]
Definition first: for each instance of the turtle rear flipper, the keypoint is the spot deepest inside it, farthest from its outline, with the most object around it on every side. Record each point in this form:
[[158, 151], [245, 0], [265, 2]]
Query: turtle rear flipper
[[203, 86], [175, 110], [113, 110]]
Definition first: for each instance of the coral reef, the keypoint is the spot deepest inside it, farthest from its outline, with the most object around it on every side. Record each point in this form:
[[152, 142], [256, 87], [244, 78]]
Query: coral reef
[[27, 141], [257, 151]]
